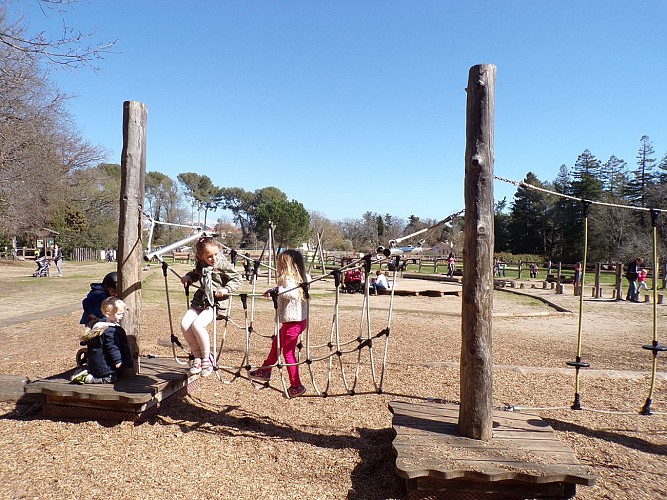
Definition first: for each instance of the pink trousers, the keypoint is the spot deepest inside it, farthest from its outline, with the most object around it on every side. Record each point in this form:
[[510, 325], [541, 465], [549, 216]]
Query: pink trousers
[[289, 337]]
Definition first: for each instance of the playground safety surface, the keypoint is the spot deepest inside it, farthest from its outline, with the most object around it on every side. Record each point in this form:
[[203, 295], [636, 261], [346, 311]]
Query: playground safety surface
[[235, 439]]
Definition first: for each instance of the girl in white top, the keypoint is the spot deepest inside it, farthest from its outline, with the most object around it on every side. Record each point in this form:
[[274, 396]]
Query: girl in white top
[[293, 316]]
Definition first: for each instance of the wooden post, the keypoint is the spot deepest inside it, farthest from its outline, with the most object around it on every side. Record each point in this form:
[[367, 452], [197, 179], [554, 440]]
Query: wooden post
[[519, 271], [598, 270], [619, 281], [476, 412], [130, 247], [271, 247]]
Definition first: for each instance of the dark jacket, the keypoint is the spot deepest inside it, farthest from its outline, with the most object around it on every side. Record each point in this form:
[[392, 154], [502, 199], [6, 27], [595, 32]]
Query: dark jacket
[[93, 302], [106, 349], [633, 271]]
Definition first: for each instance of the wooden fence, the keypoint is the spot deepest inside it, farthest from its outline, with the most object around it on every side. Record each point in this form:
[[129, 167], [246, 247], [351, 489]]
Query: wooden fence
[[87, 255]]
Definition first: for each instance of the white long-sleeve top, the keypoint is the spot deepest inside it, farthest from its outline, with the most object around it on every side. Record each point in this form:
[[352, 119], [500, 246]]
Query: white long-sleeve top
[[291, 304]]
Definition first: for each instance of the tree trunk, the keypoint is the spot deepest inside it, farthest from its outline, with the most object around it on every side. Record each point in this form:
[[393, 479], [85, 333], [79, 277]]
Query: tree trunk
[[476, 412], [130, 248]]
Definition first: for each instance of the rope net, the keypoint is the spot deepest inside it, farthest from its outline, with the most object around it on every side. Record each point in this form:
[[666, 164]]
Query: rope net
[[346, 341]]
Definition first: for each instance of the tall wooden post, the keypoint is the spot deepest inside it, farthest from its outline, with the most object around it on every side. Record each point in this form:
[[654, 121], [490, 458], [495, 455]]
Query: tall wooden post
[[130, 247], [476, 412]]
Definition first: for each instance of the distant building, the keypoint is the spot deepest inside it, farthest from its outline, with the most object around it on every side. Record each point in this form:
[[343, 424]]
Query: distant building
[[441, 248]]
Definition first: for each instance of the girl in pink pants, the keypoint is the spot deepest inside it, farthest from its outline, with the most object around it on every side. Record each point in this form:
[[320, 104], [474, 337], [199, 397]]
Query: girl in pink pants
[[292, 310]]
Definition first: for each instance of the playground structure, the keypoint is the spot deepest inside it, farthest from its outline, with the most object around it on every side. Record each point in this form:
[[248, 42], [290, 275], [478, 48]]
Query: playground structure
[[475, 419]]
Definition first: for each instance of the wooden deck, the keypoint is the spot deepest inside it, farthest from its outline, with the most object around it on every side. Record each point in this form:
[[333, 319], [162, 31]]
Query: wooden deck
[[525, 458], [129, 398]]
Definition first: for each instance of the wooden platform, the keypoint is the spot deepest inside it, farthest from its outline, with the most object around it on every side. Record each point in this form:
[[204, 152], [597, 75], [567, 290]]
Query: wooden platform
[[129, 398], [525, 458]]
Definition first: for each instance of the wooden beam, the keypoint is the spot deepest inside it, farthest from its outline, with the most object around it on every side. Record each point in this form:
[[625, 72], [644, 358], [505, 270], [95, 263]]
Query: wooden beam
[[476, 415], [130, 247]]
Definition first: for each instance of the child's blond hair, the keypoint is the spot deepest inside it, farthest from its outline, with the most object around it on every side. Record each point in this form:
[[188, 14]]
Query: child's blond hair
[[291, 265], [111, 304]]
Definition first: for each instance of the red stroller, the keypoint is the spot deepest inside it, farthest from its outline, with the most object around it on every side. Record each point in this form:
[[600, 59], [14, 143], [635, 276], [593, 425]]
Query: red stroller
[[353, 281]]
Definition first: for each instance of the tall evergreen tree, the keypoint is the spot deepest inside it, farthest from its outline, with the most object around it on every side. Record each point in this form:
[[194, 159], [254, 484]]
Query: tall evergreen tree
[[643, 177], [528, 223], [501, 232], [586, 177], [586, 185], [615, 177], [559, 211], [662, 170]]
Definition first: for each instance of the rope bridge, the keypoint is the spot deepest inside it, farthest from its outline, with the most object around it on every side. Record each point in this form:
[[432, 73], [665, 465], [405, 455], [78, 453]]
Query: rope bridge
[[336, 347]]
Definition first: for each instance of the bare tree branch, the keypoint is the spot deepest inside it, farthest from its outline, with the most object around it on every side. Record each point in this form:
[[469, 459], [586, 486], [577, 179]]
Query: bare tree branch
[[71, 49]]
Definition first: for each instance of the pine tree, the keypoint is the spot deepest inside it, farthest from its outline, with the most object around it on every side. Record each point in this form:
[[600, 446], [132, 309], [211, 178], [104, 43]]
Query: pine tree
[[528, 218], [559, 211], [615, 178], [501, 220], [586, 185], [643, 177], [586, 174], [662, 170]]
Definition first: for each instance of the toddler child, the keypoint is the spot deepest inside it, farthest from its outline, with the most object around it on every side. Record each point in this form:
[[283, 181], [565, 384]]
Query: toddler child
[[641, 280], [108, 350]]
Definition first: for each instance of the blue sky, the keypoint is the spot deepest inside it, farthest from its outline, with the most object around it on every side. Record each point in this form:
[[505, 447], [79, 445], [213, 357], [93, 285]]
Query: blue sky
[[354, 106]]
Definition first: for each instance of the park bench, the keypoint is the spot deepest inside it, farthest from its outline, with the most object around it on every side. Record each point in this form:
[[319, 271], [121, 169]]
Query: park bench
[[181, 256]]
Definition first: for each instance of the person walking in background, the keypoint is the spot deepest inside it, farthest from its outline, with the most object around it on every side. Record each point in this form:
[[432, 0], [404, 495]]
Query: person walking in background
[[232, 256], [247, 266], [632, 274], [58, 259], [218, 279], [292, 310], [451, 264], [577, 273]]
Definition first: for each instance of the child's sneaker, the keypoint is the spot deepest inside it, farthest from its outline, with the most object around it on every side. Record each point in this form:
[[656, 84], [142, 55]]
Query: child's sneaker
[[260, 375], [79, 377], [295, 392], [207, 366], [195, 367]]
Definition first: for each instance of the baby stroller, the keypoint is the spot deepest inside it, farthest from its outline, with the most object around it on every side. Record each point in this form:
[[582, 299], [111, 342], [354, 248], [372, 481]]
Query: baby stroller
[[353, 281], [42, 267]]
